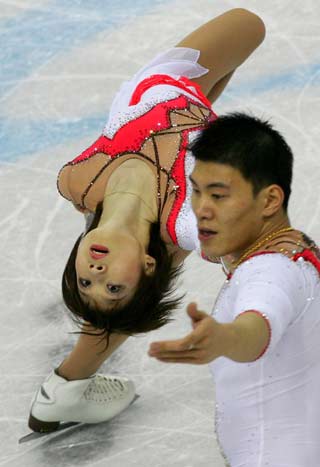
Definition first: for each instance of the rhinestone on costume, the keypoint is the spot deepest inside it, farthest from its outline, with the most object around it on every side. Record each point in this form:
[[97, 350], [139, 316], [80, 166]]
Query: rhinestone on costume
[[181, 222], [122, 118]]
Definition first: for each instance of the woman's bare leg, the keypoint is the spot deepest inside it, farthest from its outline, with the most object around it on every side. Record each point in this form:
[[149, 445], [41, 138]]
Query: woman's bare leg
[[225, 43]]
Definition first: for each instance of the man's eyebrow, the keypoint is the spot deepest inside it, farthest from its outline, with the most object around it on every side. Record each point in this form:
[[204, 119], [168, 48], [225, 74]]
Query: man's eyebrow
[[211, 185]]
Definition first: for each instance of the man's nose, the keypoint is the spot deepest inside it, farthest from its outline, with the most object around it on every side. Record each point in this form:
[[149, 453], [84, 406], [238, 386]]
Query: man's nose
[[97, 268], [202, 209]]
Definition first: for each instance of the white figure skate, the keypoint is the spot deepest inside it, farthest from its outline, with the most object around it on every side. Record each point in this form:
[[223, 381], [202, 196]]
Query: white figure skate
[[92, 400]]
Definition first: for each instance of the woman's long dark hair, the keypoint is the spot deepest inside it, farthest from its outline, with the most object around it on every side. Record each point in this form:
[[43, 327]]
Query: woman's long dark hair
[[150, 307]]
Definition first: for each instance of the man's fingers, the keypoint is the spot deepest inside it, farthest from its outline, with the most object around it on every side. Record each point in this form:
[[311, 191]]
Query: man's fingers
[[195, 357], [170, 346], [193, 354], [178, 345], [194, 313], [189, 342], [192, 361]]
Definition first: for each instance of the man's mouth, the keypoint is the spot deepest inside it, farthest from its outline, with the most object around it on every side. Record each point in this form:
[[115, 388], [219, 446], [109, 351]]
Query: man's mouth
[[98, 251], [206, 234]]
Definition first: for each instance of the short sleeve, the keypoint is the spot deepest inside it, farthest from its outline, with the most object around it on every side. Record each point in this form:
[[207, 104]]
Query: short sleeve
[[273, 286]]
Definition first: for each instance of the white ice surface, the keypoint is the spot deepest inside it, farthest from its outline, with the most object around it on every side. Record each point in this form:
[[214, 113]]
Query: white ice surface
[[172, 424]]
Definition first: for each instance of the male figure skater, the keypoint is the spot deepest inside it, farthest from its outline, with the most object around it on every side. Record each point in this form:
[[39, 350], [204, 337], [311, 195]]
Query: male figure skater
[[262, 339]]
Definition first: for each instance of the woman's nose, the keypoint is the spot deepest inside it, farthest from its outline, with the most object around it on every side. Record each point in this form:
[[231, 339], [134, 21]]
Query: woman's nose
[[97, 268]]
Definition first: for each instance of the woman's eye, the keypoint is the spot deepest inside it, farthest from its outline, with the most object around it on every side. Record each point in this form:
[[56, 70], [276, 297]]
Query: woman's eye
[[217, 196], [113, 288], [84, 282]]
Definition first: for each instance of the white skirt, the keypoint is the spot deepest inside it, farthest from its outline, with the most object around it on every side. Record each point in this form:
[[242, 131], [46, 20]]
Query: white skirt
[[175, 62]]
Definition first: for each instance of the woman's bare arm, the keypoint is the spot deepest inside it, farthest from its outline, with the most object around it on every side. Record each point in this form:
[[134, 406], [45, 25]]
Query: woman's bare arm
[[88, 355]]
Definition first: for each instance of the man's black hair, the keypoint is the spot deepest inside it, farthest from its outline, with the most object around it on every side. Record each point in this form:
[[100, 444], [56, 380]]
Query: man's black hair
[[250, 145]]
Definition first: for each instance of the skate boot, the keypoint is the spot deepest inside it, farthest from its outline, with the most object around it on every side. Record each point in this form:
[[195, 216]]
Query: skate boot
[[92, 400]]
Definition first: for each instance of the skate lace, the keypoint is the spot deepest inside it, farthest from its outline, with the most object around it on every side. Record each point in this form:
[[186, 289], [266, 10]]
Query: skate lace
[[104, 389]]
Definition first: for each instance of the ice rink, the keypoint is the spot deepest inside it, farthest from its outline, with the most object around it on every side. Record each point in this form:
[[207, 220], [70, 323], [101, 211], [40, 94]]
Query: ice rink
[[61, 63]]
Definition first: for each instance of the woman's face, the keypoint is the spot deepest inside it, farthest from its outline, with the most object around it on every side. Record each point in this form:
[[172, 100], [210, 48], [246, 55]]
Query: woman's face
[[108, 268]]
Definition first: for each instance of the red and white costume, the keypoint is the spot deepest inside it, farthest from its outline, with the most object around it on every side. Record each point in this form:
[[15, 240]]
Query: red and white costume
[[268, 411], [154, 117]]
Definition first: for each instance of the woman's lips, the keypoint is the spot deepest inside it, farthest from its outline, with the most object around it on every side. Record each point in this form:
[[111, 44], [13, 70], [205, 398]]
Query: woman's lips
[[98, 251], [206, 235]]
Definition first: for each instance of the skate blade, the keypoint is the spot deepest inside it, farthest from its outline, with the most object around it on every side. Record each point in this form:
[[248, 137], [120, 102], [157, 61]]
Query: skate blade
[[35, 434], [62, 426]]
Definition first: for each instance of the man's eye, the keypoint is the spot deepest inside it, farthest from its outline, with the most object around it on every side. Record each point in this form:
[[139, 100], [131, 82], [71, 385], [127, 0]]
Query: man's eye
[[113, 288], [84, 282], [217, 196]]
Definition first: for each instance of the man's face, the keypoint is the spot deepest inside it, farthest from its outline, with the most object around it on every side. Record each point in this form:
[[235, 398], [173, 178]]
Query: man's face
[[223, 203]]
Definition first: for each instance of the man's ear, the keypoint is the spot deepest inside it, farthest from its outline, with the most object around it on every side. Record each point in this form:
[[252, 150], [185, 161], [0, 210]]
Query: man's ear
[[272, 198]]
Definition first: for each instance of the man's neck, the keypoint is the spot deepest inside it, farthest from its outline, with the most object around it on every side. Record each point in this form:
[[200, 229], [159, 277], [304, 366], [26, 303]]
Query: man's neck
[[269, 231]]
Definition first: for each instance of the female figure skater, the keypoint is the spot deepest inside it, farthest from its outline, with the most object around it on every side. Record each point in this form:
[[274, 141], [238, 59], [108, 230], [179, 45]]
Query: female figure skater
[[134, 178]]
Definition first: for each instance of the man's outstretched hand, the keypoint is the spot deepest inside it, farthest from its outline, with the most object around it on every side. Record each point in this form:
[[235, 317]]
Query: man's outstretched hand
[[202, 345]]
